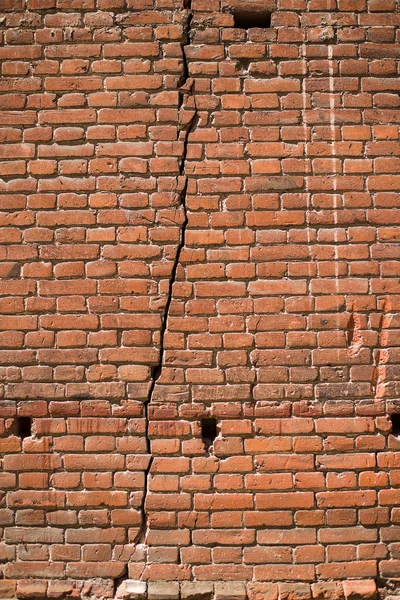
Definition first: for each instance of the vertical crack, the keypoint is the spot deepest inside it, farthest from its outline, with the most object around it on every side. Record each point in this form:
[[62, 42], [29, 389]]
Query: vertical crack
[[185, 90], [378, 373]]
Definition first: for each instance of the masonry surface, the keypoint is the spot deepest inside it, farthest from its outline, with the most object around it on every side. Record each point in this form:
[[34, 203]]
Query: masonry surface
[[199, 228]]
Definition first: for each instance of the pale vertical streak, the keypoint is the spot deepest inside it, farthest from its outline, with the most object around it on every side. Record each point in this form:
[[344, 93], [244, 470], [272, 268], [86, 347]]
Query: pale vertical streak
[[336, 196], [308, 171], [306, 157]]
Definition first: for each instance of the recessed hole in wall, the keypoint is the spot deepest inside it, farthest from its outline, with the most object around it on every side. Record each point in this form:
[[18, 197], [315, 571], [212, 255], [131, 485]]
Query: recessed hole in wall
[[208, 431], [245, 19], [395, 419], [22, 427]]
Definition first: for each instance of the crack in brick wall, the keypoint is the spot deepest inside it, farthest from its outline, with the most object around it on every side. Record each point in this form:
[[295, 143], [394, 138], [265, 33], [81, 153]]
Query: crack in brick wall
[[183, 135], [199, 221]]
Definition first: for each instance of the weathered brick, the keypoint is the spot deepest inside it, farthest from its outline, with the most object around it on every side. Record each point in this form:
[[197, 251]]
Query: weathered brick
[[199, 221]]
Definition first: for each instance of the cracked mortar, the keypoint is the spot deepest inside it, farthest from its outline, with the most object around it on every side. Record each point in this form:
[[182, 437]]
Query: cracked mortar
[[186, 126]]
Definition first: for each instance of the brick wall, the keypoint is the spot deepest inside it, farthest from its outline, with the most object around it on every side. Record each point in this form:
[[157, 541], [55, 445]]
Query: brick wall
[[199, 228]]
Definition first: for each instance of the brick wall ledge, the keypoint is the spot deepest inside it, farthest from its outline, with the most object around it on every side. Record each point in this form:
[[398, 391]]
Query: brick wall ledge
[[210, 590], [130, 589]]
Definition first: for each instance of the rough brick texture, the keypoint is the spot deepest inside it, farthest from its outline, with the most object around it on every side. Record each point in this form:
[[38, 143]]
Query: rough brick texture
[[197, 221]]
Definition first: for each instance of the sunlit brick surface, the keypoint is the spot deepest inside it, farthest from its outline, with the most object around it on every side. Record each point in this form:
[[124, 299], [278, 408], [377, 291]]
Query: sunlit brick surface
[[199, 221]]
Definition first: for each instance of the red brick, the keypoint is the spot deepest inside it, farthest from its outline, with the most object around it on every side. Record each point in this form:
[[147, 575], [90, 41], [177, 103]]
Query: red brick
[[161, 267]]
